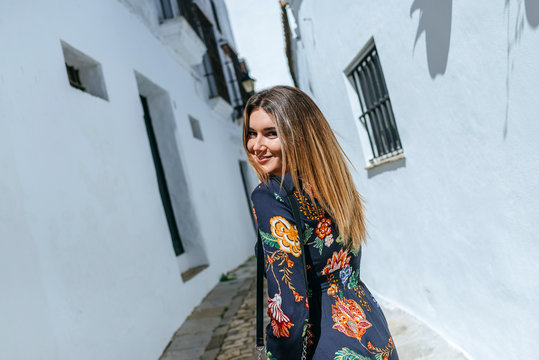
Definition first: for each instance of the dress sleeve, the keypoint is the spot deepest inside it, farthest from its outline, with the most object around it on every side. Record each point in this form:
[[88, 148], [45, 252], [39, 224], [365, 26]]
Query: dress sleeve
[[287, 294]]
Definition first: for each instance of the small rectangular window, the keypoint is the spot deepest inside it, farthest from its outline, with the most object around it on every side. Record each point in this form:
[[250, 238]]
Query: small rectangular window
[[83, 72], [376, 116], [195, 128], [167, 9]]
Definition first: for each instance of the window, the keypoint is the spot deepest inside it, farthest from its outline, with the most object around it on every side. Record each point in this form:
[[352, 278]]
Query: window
[[215, 16], [74, 77], [213, 69], [83, 72], [195, 128], [235, 74], [376, 116], [186, 8], [167, 9]]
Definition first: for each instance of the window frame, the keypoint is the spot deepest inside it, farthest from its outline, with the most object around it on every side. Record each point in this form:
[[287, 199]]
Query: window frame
[[376, 114]]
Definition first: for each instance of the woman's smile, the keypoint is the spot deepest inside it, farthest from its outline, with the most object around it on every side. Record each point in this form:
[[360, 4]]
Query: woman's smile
[[263, 144]]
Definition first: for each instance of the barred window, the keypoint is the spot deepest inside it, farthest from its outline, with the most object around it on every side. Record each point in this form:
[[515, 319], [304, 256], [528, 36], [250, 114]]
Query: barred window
[[376, 112]]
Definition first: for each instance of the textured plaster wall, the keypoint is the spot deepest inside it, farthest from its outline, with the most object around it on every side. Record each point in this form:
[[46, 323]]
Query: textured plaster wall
[[88, 269], [453, 227]]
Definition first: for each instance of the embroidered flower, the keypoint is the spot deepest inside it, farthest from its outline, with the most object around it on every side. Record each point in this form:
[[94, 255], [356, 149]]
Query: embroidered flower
[[328, 240], [349, 318], [338, 261], [345, 274], [286, 235], [280, 323], [297, 297], [333, 289], [323, 228], [289, 262], [270, 259]]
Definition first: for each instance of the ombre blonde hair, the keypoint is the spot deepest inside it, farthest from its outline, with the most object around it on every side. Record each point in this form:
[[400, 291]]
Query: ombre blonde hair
[[313, 155]]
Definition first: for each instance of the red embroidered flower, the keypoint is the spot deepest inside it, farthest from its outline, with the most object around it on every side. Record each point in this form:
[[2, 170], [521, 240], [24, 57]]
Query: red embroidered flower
[[323, 228], [349, 318], [271, 260], [337, 261], [280, 323], [297, 297]]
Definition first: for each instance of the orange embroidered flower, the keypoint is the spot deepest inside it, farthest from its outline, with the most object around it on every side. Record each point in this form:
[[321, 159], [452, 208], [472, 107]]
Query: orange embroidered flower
[[323, 228], [297, 297], [349, 318], [270, 259], [280, 323], [337, 261], [289, 262], [333, 289], [370, 346], [286, 235]]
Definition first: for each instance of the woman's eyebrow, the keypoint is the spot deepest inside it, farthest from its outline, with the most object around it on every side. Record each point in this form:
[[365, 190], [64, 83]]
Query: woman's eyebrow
[[265, 129]]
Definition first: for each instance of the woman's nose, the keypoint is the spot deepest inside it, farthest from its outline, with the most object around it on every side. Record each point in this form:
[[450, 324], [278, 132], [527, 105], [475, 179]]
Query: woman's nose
[[259, 143]]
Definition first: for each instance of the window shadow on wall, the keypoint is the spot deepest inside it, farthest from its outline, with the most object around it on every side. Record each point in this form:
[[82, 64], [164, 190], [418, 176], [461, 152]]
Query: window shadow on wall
[[435, 21]]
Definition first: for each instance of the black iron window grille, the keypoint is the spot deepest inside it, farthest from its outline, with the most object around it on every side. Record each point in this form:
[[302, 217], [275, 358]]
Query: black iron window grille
[[167, 9], [376, 112], [213, 69], [186, 8], [235, 74], [74, 77]]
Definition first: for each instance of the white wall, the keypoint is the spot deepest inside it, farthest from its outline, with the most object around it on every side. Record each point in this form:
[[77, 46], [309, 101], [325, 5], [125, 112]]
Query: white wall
[[453, 227], [88, 269]]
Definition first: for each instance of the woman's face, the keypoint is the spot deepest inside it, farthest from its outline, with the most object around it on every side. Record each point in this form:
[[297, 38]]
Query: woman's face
[[263, 144]]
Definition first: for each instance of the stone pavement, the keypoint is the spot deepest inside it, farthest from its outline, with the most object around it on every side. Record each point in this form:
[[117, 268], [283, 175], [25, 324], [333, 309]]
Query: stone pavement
[[222, 327]]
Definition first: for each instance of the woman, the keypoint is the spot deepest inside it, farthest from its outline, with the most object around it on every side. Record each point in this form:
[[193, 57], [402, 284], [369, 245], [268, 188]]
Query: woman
[[290, 145]]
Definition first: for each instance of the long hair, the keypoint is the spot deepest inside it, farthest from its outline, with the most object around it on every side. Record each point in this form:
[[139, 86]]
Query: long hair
[[311, 153]]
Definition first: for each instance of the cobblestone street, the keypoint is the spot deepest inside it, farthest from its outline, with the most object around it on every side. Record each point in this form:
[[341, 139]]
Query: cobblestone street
[[223, 326]]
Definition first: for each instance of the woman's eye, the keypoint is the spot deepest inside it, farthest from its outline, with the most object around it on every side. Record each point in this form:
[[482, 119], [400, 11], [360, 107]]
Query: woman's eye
[[272, 133], [251, 133]]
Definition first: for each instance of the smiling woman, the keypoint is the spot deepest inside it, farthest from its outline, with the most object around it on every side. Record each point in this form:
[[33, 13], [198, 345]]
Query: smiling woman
[[311, 235], [263, 144]]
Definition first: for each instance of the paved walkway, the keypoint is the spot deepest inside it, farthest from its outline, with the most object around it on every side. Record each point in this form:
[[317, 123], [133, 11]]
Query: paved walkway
[[222, 327]]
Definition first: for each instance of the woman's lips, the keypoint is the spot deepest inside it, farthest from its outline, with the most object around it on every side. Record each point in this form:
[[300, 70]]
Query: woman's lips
[[263, 159]]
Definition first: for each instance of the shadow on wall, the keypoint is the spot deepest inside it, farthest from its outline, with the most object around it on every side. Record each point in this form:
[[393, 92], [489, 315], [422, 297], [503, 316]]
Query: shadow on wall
[[532, 12], [435, 22]]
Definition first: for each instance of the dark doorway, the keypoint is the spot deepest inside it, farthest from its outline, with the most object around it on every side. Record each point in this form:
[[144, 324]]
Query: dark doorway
[[161, 180]]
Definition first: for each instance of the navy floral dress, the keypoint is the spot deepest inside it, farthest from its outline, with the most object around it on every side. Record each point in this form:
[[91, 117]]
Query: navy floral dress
[[337, 312]]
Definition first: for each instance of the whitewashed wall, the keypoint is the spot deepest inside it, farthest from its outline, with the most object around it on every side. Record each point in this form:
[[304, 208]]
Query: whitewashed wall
[[87, 267], [453, 227]]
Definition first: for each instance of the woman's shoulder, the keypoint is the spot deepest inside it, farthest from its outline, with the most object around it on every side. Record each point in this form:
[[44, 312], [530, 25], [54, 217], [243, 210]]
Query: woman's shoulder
[[272, 188]]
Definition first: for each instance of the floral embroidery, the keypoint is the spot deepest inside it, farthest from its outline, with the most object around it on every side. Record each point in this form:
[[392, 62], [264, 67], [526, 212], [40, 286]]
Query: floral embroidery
[[382, 353], [347, 354], [349, 318], [323, 228], [337, 261], [328, 240], [280, 323], [286, 235], [310, 210], [297, 297], [345, 274]]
